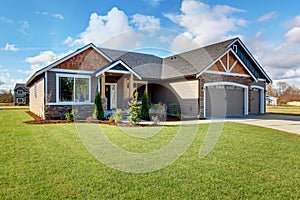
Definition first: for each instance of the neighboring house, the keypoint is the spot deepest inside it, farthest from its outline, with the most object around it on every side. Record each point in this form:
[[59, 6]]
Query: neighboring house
[[216, 80], [21, 94], [271, 101]]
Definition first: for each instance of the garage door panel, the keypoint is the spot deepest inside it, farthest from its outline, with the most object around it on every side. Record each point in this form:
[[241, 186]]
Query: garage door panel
[[224, 101], [215, 104]]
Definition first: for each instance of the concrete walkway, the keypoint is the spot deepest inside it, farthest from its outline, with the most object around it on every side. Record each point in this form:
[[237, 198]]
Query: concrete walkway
[[288, 123]]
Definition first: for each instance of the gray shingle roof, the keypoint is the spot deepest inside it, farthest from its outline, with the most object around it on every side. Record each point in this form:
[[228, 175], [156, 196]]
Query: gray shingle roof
[[194, 61], [148, 66], [184, 64]]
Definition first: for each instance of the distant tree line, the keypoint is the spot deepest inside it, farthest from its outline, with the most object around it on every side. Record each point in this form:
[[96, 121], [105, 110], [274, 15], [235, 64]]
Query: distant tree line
[[284, 92], [6, 96]]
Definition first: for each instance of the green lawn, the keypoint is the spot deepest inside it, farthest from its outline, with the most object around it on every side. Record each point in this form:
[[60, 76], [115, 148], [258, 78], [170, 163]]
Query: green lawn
[[50, 162], [294, 110]]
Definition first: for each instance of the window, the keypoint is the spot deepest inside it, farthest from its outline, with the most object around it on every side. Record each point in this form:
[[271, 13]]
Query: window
[[73, 88], [138, 86], [20, 100], [20, 92]]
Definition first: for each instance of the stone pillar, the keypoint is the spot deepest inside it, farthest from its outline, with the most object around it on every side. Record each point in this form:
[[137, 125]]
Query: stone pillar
[[125, 92], [131, 86], [103, 97], [103, 86]]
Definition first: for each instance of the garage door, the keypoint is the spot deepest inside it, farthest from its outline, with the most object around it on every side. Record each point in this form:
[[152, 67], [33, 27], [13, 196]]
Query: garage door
[[255, 101], [224, 100]]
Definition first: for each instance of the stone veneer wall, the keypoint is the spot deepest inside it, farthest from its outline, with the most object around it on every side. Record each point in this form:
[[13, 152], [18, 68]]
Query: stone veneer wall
[[59, 111]]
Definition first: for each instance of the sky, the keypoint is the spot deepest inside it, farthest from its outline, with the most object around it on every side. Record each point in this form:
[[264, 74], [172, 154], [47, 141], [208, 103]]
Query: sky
[[36, 33]]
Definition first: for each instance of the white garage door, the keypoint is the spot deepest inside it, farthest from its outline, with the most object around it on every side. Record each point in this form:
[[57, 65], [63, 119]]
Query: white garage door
[[224, 100]]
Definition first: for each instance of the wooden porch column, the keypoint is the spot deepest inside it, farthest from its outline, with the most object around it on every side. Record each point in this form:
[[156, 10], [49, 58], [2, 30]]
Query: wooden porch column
[[125, 92], [131, 86], [103, 86]]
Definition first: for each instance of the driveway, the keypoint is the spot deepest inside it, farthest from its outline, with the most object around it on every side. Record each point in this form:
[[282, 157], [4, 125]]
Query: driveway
[[288, 123]]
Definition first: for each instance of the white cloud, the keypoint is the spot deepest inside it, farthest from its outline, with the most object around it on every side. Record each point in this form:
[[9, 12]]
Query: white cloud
[[146, 23], [268, 16], [292, 37], [206, 23], [153, 2], [55, 15], [10, 47], [292, 73], [43, 59], [183, 42], [24, 28], [6, 20], [111, 30]]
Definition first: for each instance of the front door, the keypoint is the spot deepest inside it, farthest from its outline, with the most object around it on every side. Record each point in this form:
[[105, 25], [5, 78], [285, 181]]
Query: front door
[[111, 95]]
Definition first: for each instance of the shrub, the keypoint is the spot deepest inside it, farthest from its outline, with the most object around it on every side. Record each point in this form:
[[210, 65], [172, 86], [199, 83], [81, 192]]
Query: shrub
[[145, 107], [159, 110], [117, 116], [98, 108], [134, 110], [72, 114], [155, 120]]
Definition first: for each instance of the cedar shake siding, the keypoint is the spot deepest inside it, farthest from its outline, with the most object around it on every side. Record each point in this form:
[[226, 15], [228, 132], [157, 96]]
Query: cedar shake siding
[[37, 98], [88, 60]]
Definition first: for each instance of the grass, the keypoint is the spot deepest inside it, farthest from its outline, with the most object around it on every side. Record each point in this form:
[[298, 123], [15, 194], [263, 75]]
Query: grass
[[50, 162], [293, 110]]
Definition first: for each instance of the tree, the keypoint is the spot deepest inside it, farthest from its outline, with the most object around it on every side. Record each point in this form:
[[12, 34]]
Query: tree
[[145, 107], [282, 86], [134, 110], [6, 97], [98, 109], [272, 91]]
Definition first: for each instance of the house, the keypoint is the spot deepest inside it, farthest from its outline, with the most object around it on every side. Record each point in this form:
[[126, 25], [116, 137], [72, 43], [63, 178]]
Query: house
[[222, 79], [21, 94], [271, 101]]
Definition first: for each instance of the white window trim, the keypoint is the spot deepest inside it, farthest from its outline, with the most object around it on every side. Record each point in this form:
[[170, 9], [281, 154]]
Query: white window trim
[[20, 91], [228, 83], [262, 98], [72, 76]]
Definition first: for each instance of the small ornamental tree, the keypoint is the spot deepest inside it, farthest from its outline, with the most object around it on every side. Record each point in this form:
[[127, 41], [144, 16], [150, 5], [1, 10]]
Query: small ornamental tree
[[134, 110], [98, 108], [145, 107]]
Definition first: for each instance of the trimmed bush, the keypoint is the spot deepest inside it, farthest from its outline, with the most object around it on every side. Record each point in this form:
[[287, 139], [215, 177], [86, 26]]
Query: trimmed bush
[[98, 108], [145, 107]]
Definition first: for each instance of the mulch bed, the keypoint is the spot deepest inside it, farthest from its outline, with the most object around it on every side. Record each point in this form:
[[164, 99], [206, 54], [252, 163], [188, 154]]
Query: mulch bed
[[39, 120]]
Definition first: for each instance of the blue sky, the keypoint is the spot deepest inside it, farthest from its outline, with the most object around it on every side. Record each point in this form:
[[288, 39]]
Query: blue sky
[[36, 33]]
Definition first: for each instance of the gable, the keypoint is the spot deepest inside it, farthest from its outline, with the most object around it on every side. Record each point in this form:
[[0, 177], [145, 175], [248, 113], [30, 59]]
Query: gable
[[87, 60], [229, 64], [249, 61]]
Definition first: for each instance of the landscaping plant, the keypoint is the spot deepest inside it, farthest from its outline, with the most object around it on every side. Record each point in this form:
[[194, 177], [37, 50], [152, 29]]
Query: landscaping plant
[[134, 110], [117, 116], [145, 107], [98, 108]]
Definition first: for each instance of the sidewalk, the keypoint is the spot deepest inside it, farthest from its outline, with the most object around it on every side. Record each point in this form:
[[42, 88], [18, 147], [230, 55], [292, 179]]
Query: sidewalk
[[288, 123]]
